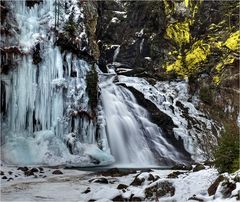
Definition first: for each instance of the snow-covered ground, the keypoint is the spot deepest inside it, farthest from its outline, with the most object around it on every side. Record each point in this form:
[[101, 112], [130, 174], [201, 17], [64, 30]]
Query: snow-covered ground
[[76, 185]]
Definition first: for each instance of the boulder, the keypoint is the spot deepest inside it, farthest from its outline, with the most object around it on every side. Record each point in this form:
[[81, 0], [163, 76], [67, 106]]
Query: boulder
[[159, 190], [4, 177], [213, 188], [57, 172], [9, 179], [87, 190], [24, 169], [227, 189], [115, 172], [118, 198], [122, 186], [153, 178], [135, 198], [198, 167], [137, 181], [174, 174], [1, 173], [31, 171], [101, 180]]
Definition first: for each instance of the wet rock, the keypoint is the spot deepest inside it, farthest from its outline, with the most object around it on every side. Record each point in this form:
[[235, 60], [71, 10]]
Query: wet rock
[[24, 169], [57, 172], [174, 174], [160, 189], [137, 181], [118, 198], [1, 173], [87, 190], [198, 167], [213, 188], [122, 186], [4, 177]]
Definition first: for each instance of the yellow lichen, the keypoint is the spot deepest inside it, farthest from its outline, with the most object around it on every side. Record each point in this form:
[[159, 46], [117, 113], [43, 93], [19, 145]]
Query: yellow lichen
[[227, 60], [233, 42], [167, 8], [219, 67], [179, 32], [176, 66], [188, 64], [197, 54], [186, 2], [216, 80]]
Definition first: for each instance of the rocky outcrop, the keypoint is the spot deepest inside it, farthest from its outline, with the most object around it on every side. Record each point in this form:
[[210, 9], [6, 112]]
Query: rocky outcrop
[[91, 17], [159, 190]]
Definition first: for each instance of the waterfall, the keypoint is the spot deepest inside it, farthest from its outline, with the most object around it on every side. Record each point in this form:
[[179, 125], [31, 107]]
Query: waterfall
[[47, 117], [133, 138]]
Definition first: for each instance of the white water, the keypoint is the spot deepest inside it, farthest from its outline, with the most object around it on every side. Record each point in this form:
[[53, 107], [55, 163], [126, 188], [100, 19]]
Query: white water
[[131, 134]]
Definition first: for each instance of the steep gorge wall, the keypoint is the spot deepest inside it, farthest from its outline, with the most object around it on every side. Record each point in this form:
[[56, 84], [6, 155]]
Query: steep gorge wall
[[165, 40]]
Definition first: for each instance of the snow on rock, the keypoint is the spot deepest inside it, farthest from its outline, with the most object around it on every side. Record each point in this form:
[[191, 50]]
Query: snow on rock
[[172, 98], [189, 186]]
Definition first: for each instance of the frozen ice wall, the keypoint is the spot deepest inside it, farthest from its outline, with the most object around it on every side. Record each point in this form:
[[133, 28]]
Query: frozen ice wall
[[46, 106]]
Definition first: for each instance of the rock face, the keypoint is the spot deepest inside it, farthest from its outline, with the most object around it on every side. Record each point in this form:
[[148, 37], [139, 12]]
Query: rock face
[[170, 36]]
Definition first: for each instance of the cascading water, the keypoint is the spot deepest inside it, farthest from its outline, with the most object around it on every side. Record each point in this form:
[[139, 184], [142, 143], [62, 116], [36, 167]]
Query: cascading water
[[133, 138]]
